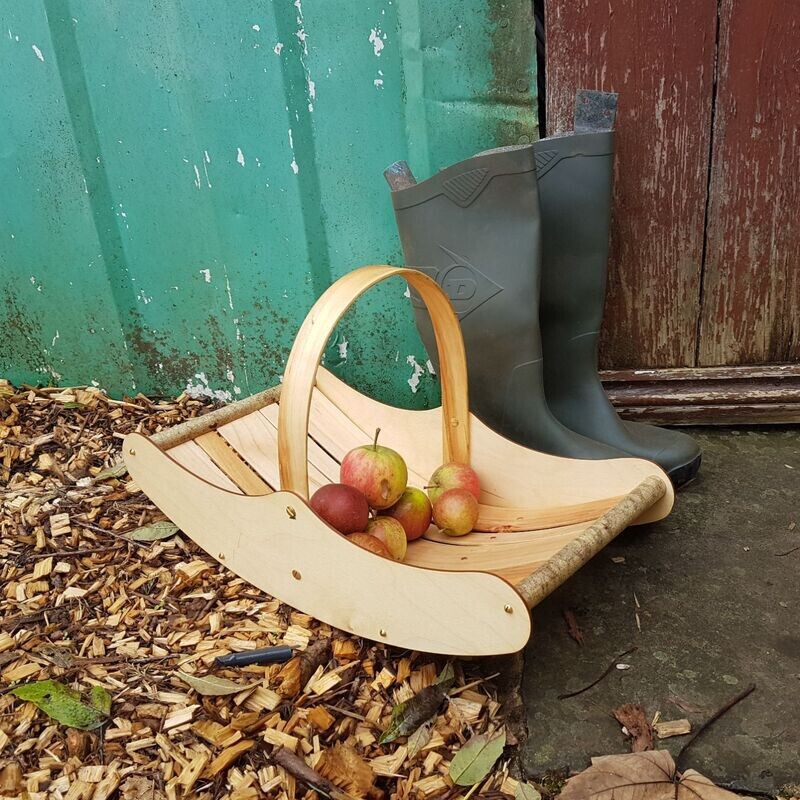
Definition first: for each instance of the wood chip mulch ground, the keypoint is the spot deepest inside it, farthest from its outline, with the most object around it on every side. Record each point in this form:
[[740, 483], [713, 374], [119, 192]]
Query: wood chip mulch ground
[[84, 605]]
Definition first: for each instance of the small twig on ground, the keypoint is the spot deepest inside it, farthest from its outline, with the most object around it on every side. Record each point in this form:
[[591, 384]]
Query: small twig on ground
[[712, 719], [595, 682], [788, 552], [296, 766]]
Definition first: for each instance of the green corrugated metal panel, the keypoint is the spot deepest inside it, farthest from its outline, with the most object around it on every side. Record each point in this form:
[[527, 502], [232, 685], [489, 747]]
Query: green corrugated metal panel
[[180, 179]]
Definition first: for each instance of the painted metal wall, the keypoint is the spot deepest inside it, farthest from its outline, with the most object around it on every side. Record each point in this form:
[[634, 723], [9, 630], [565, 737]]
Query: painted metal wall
[[181, 179]]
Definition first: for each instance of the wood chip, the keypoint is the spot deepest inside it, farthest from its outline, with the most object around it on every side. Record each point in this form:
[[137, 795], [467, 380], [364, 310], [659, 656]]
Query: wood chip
[[675, 727]]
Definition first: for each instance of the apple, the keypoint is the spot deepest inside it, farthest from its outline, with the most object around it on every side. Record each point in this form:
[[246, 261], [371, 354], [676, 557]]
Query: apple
[[413, 511], [453, 476], [455, 512], [391, 533], [370, 543], [342, 507], [378, 472]]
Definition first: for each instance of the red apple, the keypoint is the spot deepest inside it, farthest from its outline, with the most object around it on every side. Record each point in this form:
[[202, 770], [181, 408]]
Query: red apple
[[391, 533], [342, 507], [370, 543], [455, 512], [413, 511], [378, 472], [453, 476]]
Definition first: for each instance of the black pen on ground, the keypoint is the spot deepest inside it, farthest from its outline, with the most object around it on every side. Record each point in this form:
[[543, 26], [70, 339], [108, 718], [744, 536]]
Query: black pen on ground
[[267, 655]]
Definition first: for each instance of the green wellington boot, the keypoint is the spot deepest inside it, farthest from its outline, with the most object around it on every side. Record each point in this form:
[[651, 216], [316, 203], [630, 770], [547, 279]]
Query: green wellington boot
[[474, 227], [574, 173]]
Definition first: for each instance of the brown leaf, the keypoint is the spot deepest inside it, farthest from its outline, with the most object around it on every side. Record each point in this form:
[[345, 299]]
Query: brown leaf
[[344, 767], [641, 776], [573, 629], [633, 718]]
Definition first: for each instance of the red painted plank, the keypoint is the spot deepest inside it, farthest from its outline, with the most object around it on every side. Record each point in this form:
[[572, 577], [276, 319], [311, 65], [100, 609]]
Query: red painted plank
[[660, 58], [751, 298]]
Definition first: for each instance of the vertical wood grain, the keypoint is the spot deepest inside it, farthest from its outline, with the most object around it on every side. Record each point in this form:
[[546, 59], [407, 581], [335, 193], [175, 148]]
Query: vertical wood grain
[[660, 58], [751, 297]]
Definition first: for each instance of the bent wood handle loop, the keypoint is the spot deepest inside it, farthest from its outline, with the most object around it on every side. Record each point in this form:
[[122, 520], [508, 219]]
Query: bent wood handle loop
[[570, 558], [316, 330]]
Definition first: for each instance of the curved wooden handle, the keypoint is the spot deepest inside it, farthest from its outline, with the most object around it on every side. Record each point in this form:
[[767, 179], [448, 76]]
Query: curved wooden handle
[[301, 368]]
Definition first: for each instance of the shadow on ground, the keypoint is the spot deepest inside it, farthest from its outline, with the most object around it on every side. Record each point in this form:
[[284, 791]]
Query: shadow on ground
[[718, 595]]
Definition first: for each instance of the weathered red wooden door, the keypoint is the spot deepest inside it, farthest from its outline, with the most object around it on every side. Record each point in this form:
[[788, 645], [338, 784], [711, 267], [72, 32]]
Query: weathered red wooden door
[[704, 291]]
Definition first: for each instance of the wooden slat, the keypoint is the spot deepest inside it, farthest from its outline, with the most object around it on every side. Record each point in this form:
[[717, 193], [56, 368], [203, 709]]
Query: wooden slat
[[220, 452], [191, 456], [751, 297], [660, 58]]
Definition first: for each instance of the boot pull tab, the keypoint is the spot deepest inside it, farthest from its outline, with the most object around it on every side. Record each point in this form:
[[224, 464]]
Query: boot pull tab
[[399, 176]]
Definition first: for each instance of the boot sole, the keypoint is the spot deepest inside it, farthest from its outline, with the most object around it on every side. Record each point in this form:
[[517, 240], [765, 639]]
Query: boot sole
[[686, 473]]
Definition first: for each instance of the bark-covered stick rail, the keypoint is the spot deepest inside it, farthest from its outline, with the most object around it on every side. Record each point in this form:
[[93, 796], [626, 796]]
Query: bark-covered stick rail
[[192, 428], [567, 561]]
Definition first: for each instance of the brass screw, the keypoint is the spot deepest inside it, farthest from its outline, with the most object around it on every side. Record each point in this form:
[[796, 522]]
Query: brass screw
[[382, 632], [296, 575], [453, 423], [291, 513], [508, 609], [132, 451], [221, 556]]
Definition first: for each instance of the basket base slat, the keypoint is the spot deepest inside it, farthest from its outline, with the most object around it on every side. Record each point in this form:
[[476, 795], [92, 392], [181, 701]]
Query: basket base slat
[[191, 456], [232, 463]]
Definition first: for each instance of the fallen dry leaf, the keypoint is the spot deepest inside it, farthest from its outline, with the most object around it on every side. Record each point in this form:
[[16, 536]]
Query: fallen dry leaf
[[641, 776], [343, 766], [633, 718]]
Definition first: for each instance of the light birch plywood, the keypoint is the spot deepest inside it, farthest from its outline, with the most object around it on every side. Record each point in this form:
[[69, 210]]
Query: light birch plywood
[[276, 543], [512, 476], [191, 456], [231, 463], [255, 438]]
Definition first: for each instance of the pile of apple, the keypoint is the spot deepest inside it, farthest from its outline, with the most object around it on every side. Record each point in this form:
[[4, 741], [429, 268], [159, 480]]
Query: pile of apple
[[376, 509]]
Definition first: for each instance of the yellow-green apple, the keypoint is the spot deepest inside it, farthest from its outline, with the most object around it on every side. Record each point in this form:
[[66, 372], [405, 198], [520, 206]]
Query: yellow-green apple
[[391, 533], [413, 511], [453, 476], [378, 472], [342, 507], [370, 543], [455, 512]]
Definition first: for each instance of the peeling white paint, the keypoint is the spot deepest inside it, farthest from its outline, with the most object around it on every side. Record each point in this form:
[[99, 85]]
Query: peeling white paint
[[206, 273], [378, 83], [202, 389], [256, 28], [312, 89], [277, 49], [240, 156], [55, 339], [419, 370], [196, 176], [230, 376], [38, 52], [407, 292], [206, 156], [291, 140], [431, 368], [228, 287], [342, 347], [376, 39], [294, 167]]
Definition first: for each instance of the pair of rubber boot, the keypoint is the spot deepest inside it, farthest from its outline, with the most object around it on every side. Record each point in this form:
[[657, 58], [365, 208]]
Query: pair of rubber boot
[[495, 229]]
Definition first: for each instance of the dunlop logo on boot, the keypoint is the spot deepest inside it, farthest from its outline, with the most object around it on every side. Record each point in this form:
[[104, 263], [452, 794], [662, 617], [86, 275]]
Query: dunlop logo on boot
[[465, 285]]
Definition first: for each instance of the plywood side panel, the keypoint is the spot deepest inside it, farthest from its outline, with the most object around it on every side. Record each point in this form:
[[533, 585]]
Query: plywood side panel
[[660, 58], [751, 299]]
